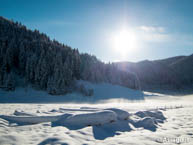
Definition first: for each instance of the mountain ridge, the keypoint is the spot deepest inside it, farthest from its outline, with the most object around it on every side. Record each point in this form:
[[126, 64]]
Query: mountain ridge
[[170, 73]]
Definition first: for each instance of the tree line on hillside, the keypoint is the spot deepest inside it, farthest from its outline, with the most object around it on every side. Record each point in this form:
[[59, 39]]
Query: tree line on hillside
[[49, 65], [175, 73]]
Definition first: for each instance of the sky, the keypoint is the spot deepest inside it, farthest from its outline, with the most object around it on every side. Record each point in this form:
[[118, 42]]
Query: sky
[[112, 30]]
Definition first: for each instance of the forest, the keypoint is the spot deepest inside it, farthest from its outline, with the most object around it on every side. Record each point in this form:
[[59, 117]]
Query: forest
[[31, 58]]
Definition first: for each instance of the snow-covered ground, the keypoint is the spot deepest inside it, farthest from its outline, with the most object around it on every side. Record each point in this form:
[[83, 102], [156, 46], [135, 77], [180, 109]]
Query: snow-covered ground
[[102, 92], [155, 119]]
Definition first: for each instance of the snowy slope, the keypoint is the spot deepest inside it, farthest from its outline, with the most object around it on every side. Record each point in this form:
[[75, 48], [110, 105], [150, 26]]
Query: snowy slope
[[102, 92]]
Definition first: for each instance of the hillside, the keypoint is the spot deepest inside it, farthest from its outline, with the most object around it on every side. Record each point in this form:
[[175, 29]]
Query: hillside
[[171, 60], [172, 73], [31, 58], [183, 68]]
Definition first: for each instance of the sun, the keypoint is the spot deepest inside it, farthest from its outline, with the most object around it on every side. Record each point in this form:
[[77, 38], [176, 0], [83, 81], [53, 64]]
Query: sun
[[124, 42]]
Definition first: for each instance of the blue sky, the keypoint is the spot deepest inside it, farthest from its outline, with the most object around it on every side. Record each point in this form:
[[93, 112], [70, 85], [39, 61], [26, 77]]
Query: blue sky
[[154, 29]]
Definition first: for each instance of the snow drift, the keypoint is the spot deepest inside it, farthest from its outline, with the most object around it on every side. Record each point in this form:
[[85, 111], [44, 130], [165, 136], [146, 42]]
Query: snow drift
[[90, 119], [84, 117], [29, 119], [121, 114]]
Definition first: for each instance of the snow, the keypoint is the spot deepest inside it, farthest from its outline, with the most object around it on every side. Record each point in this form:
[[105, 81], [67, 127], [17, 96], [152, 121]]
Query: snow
[[102, 93], [110, 91], [144, 130], [93, 117], [155, 114], [156, 119], [29, 119], [121, 114], [84, 119], [146, 122], [105, 123], [22, 113], [96, 118]]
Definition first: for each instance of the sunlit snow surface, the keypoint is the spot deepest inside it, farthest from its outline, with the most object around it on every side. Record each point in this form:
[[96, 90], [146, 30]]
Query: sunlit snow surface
[[177, 128]]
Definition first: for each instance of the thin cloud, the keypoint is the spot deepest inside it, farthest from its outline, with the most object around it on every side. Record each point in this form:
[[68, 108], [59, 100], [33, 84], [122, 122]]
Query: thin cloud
[[153, 34], [150, 34], [152, 29]]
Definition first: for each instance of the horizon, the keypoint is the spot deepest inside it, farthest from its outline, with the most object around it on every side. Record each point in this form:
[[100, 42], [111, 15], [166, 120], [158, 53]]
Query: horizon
[[112, 31]]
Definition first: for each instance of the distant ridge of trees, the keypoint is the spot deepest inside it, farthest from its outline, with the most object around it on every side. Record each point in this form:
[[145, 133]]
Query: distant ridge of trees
[[175, 73], [48, 65]]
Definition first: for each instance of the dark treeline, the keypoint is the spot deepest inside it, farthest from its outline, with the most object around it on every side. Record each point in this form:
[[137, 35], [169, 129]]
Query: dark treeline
[[48, 65], [175, 73]]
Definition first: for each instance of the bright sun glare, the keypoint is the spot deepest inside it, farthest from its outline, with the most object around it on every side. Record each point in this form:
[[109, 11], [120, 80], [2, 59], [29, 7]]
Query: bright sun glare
[[124, 42]]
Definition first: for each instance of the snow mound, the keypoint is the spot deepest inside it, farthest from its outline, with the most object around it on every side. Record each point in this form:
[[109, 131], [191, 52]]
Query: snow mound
[[88, 108], [90, 119], [22, 113], [121, 114], [147, 123], [83, 119], [147, 119], [80, 110], [155, 114], [80, 118], [30, 119]]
